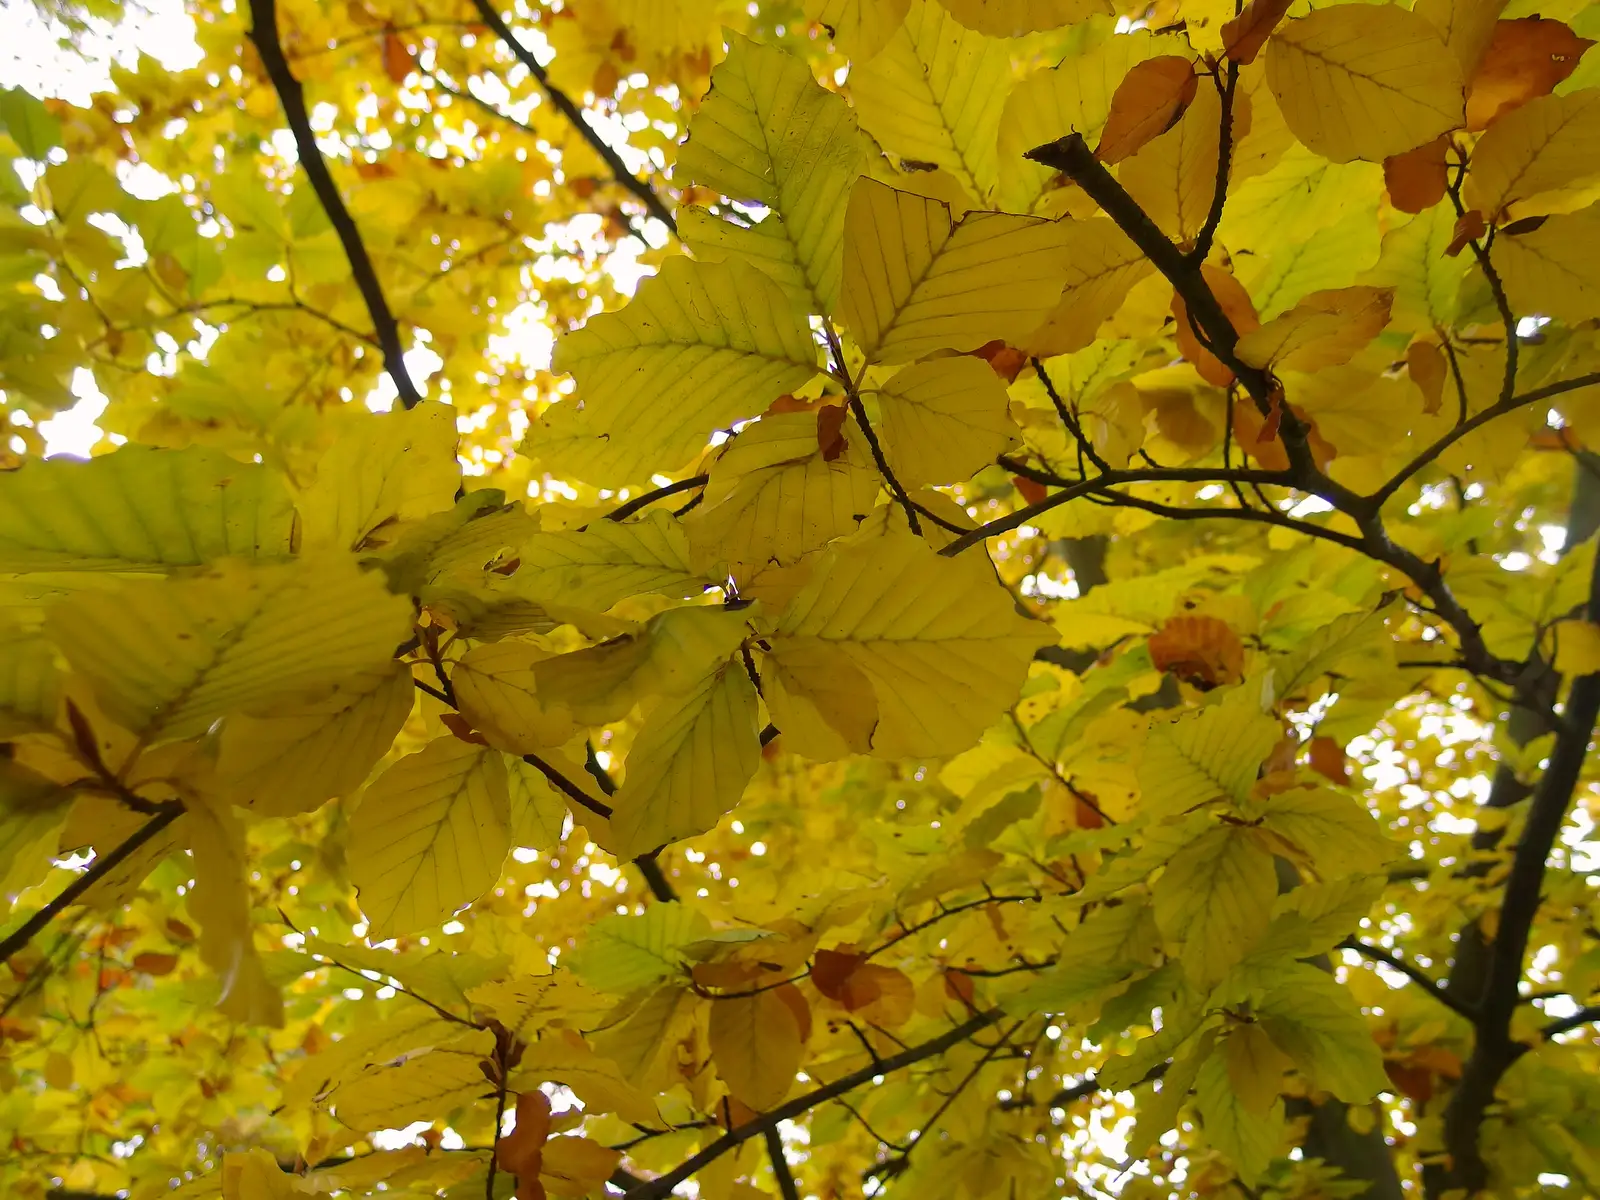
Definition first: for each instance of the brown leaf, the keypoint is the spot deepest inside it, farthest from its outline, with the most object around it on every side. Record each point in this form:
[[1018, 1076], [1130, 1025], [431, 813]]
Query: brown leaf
[[1328, 760], [1148, 101], [1236, 304], [1526, 58], [1470, 226], [521, 1151], [1007, 361], [1031, 490], [153, 963], [1416, 179], [1199, 649], [1425, 363], [462, 728], [830, 431], [831, 970], [1243, 37], [397, 63]]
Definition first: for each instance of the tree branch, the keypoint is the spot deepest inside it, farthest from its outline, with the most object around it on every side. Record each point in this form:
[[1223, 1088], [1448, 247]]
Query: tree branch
[[264, 33], [780, 1165], [1219, 197], [662, 1186], [98, 870], [1583, 1016], [641, 190], [1414, 973], [645, 499], [1494, 1050]]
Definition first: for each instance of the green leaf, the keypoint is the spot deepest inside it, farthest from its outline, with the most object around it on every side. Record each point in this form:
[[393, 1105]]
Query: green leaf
[[1215, 900], [624, 953], [166, 658], [1317, 1022], [1207, 756], [430, 836], [608, 561], [141, 509], [689, 765], [769, 133], [29, 123], [1247, 1141], [716, 342], [1333, 833]]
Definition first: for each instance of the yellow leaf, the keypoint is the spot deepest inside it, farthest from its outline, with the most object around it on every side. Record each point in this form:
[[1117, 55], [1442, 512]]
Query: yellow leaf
[[30, 684], [636, 1036], [32, 810], [1413, 262], [255, 1175], [940, 640], [1530, 155], [935, 94], [1255, 1067], [1334, 833], [538, 813], [167, 658], [1323, 330], [429, 836], [1577, 647], [576, 1166], [387, 469], [916, 281], [1210, 755], [1248, 1142], [861, 28], [625, 952], [943, 421], [673, 653], [689, 764], [294, 760], [719, 341], [1174, 177], [141, 510], [596, 1081], [821, 701], [496, 689], [1102, 266], [1364, 81], [1318, 1023], [775, 496], [1467, 27], [221, 901], [607, 562], [417, 1085], [1075, 95], [756, 1045], [1553, 270], [769, 133], [1215, 900], [1013, 18]]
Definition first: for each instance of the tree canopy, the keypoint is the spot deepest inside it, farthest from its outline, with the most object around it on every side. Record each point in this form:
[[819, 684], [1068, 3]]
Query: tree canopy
[[988, 599]]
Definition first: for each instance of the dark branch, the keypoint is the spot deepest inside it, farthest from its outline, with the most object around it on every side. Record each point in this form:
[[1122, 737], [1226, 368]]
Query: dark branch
[[645, 499], [641, 190], [264, 33], [1219, 196], [1583, 1016], [780, 1165], [1414, 973], [98, 870], [662, 1186]]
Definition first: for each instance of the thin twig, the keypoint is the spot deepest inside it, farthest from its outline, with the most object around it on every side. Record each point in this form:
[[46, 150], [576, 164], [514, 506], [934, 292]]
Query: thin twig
[[645, 194], [264, 33], [780, 1165], [1414, 973]]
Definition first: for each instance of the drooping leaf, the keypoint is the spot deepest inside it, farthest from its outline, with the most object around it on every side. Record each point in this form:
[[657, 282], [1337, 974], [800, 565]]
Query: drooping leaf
[[756, 1045]]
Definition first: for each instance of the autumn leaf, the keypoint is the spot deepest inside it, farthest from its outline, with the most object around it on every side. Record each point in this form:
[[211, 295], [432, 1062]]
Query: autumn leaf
[[1148, 102], [1417, 179], [1525, 58]]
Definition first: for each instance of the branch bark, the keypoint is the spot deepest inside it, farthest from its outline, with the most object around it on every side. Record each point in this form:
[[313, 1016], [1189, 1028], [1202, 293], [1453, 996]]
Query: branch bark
[[662, 1185], [264, 33], [1494, 1050], [641, 190], [98, 870]]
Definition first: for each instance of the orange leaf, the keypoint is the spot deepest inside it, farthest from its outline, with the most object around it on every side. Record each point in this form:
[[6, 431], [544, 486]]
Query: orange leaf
[[1425, 363], [830, 969], [1147, 103], [788, 404], [397, 62], [1202, 650], [1328, 760], [830, 431], [522, 1150], [1236, 304], [152, 963], [1470, 226], [1526, 58], [1007, 361], [1030, 490], [1416, 179], [1243, 37]]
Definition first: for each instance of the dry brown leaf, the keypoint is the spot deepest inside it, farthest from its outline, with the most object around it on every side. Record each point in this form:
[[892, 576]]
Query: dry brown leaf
[[1147, 103], [397, 63], [1416, 179], [1526, 58], [1243, 37], [1198, 649], [1470, 226]]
